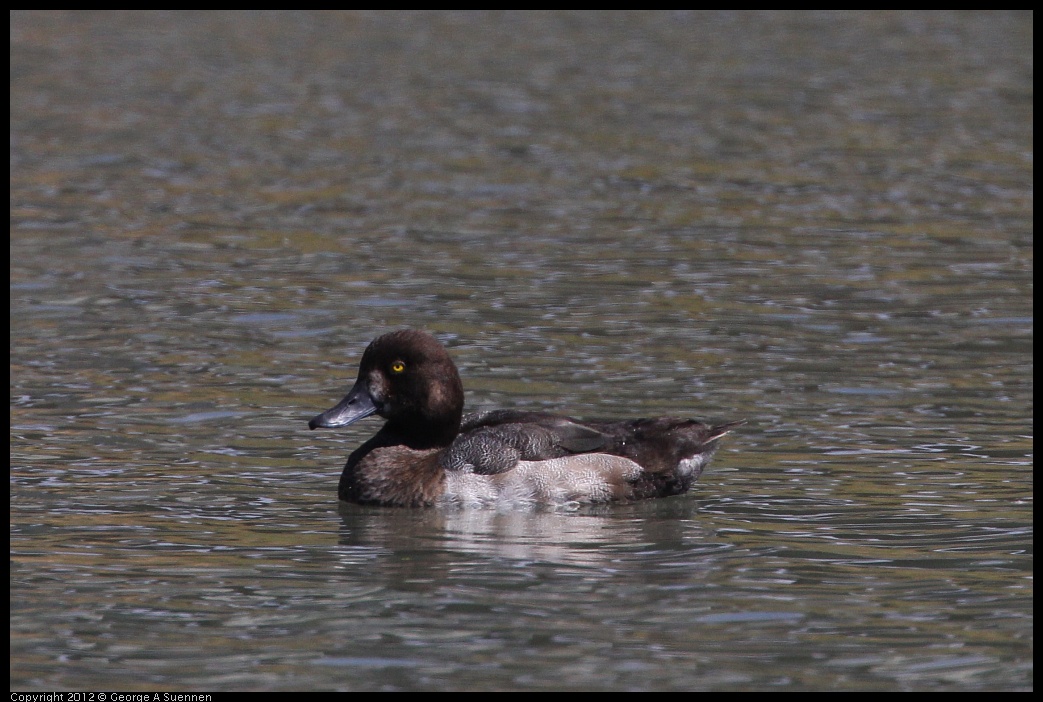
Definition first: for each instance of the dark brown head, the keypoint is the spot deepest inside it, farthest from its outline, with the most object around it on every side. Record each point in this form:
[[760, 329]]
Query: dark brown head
[[408, 378]]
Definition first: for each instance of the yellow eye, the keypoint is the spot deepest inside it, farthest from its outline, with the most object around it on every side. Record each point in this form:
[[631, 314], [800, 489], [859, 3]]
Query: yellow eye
[[398, 367]]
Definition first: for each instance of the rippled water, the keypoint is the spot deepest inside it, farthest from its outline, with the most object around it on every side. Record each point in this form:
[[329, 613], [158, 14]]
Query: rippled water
[[821, 223]]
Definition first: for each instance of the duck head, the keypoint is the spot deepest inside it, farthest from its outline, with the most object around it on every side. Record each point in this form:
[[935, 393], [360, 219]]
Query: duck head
[[408, 378]]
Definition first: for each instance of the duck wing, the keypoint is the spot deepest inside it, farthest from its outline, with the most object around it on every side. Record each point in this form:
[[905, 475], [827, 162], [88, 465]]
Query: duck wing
[[494, 442]]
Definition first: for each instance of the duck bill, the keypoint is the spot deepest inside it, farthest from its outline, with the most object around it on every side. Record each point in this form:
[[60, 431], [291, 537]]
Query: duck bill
[[358, 403]]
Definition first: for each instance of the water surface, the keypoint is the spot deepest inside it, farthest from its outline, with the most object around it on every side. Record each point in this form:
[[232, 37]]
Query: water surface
[[821, 223]]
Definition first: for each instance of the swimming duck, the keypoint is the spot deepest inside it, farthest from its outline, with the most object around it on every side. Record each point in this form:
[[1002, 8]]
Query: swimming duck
[[429, 452]]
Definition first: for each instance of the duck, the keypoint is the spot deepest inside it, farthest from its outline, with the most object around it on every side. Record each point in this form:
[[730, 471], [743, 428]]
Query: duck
[[430, 453]]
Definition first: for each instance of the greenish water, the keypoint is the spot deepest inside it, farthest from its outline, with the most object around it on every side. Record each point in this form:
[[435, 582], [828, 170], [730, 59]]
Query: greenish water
[[819, 222]]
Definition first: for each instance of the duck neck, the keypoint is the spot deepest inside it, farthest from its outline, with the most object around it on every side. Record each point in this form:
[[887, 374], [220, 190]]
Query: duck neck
[[425, 432]]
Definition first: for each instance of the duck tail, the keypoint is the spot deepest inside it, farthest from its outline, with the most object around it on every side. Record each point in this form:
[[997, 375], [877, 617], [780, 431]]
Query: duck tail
[[719, 430]]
